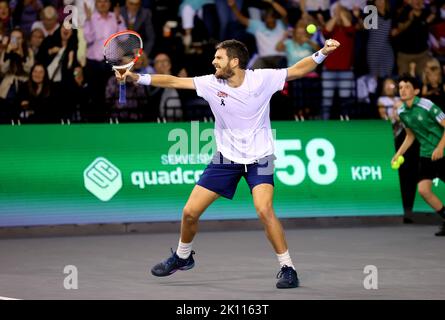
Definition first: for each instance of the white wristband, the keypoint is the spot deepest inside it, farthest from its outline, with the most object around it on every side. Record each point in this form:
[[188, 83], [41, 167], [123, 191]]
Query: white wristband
[[318, 57], [144, 79]]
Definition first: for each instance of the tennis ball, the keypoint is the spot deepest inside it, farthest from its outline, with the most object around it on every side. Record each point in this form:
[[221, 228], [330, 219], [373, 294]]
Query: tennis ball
[[311, 28], [395, 165], [401, 160]]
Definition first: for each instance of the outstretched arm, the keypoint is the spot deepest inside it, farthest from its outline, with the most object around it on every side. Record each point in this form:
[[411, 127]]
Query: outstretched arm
[[308, 64], [409, 139], [239, 16], [158, 80]]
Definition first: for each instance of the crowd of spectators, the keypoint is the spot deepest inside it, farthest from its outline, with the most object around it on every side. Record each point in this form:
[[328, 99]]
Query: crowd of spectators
[[52, 68]]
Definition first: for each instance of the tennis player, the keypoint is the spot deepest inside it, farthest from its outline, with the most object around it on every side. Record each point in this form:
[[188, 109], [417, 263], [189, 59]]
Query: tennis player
[[239, 100], [425, 121]]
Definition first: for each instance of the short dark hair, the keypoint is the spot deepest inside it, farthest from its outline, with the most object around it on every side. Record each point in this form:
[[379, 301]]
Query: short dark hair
[[408, 78], [235, 49]]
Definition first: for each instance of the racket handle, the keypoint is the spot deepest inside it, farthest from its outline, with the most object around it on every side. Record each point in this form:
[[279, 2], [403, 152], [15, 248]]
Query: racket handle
[[122, 93]]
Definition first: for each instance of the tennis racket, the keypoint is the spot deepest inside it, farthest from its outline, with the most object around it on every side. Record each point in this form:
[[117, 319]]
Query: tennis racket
[[121, 51]]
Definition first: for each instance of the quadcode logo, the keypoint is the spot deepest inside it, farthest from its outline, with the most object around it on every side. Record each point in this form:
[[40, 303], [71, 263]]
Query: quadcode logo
[[103, 179]]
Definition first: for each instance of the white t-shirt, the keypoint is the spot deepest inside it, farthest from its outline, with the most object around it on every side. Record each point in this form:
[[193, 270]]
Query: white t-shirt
[[242, 125]]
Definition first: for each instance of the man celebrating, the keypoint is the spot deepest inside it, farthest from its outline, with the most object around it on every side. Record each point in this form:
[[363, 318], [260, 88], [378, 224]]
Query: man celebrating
[[239, 100]]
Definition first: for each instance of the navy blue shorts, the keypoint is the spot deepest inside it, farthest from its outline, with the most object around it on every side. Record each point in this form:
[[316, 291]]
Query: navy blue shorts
[[222, 175]]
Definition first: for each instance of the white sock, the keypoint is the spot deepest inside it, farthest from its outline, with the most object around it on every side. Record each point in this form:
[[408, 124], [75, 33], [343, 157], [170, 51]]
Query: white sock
[[285, 260], [184, 249]]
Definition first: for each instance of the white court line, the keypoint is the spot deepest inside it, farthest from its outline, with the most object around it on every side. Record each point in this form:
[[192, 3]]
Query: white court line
[[7, 298]]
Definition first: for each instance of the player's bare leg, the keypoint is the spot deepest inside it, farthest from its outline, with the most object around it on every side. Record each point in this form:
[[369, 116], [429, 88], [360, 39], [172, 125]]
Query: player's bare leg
[[182, 259], [199, 200], [262, 199]]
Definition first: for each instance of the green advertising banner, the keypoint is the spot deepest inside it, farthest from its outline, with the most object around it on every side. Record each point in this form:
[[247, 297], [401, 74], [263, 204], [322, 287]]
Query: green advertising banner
[[80, 174]]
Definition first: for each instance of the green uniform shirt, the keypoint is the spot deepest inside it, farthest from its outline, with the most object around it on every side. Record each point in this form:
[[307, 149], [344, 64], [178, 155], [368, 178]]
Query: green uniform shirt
[[423, 118]]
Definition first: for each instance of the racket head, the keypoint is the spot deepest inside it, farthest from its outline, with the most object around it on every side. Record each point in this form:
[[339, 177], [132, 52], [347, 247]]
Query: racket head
[[123, 49]]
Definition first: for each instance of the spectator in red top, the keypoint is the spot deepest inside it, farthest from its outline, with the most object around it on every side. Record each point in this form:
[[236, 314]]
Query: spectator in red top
[[337, 73]]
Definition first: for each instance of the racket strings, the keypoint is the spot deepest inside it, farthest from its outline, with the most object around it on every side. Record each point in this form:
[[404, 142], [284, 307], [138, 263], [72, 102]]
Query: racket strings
[[122, 49]]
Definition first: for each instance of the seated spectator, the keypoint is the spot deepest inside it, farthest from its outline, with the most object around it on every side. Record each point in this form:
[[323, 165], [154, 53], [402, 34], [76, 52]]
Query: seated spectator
[[16, 60], [388, 102], [36, 40], [305, 90], [80, 95], [166, 102], [140, 20], [268, 32], [433, 87], [25, 13], [48, 21], [34, 99]]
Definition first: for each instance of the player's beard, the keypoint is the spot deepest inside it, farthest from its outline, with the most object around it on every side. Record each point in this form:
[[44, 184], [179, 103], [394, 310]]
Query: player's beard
[[225, 73]]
